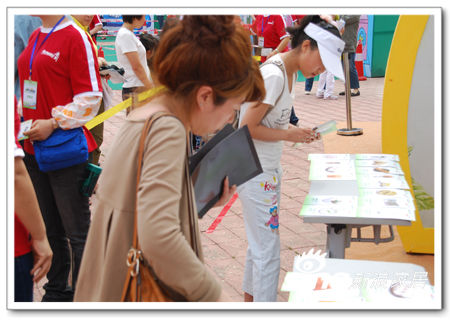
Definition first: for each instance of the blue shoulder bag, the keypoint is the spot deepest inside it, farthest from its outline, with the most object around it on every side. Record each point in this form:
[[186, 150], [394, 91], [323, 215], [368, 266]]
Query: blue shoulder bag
[[62, 149]]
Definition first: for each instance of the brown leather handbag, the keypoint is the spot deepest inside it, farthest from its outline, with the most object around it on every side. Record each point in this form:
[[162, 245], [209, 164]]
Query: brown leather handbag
[[141, 284]]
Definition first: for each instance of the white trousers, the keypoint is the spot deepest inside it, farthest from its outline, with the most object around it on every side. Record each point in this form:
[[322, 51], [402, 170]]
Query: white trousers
[[260, 199], [325, 78]]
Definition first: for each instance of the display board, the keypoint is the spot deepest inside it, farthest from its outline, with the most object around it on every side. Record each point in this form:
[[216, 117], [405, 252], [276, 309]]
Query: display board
[[381, 189]]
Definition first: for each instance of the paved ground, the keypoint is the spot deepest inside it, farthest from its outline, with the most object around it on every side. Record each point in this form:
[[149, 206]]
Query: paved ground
[[225, 248]]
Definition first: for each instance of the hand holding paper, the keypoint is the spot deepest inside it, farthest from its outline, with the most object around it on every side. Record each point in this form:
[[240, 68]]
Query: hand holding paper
[[320, 130], [40, 130], [24, 127], [302, 135]]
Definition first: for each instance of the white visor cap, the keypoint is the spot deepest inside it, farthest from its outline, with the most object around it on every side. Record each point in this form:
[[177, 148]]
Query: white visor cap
[[330, 49]]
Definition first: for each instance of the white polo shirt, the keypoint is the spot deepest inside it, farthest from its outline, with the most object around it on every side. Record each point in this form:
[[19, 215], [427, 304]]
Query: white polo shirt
[[126, 41]]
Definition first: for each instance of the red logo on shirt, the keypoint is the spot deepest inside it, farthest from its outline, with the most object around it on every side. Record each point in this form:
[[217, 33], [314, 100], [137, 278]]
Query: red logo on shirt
[[269, 187]]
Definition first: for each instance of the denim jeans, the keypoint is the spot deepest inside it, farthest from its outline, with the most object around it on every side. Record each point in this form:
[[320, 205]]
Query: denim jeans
[[67, 217], [354, 81], [23, 282], [309, 84]]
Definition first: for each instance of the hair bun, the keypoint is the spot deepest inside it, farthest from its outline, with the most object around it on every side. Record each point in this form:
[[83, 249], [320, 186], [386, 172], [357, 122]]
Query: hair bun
[[207, 29]]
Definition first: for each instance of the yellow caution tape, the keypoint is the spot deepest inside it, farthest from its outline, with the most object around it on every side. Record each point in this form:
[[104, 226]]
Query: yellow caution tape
[[119, 107]]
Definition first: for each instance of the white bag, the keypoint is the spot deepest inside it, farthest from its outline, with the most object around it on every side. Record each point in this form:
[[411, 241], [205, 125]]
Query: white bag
[[107, 94]]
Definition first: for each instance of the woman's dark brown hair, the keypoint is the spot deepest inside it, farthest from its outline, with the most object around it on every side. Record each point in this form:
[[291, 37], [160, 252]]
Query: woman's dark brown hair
[[129, 19], [211, 51], [298, 33]]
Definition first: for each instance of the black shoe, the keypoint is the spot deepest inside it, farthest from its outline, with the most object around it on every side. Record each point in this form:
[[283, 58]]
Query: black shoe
[[354, 94]]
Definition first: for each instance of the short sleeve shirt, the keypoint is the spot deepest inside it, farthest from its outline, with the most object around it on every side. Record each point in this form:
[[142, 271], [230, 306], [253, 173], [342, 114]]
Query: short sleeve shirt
[[274, 31], [126, 42], [95, 22], [63, 67], [277, 87]]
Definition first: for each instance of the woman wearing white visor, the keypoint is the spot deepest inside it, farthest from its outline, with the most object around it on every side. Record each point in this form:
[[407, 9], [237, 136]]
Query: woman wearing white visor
[[316, 46]]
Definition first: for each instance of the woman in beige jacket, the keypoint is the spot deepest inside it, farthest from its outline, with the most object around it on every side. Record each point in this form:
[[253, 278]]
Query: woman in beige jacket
[[205, 64]]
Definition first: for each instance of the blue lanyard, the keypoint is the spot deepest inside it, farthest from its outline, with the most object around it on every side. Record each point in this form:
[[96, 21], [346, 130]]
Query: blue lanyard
[[262, 23], [45, 39]]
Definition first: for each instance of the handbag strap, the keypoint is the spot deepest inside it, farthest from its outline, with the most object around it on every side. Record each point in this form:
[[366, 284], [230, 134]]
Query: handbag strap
[[144, 133], [280, 65], [192, 227], [191, 209]]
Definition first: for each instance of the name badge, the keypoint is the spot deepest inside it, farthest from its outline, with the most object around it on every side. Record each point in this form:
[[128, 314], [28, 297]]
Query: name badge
[[29, 94], [266, 51], [261, 42]]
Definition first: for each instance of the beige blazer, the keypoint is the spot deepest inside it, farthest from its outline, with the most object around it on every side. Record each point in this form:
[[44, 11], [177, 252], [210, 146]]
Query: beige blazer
[[163, 221]]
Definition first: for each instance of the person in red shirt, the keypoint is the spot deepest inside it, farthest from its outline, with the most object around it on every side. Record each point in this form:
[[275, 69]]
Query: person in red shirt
[[95, 26], [257, 25], [32, 253], [59, 73], [296, 19], [85, 22], [275, 35]]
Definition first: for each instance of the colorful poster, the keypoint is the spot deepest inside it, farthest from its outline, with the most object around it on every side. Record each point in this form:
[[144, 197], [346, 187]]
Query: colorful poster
[[382, 188], [377, 163], [386, 172], [396, 182], [374, 156], [332, 170], [329, 156], [331, 200], [329, 211]]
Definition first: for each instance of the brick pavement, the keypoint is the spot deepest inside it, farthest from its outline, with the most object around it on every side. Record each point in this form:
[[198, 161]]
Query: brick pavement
[[225, 248]]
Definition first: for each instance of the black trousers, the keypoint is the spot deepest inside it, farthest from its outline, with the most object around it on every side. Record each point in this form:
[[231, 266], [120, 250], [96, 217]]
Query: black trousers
[[66, 216]]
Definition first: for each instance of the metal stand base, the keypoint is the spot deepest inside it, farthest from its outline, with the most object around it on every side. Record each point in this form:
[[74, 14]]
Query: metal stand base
[[350, 132], [338, 238]]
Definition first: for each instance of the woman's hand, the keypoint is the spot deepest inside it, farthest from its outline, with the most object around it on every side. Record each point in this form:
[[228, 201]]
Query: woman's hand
[[226, 194], [40, 130], [302, 135], [42, 254]]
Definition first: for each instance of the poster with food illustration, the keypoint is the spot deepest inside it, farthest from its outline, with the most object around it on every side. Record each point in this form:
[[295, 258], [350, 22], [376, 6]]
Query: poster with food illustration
[[374, 201], [386, 213], [332, 170], [329, 156], [375, 171], [377, 163], [374, 156], [328, 211], [331, 200], [365, 181]]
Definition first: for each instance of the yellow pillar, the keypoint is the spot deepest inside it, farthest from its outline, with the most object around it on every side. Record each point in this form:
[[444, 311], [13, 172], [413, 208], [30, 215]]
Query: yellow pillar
[[397, 88]]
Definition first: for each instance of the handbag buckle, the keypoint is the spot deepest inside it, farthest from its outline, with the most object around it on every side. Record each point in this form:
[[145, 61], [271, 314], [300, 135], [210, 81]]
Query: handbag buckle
[[133, 258]]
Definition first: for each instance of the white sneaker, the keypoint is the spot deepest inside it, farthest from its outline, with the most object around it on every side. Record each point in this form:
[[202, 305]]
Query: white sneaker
[[332, 97], [307, 93], [319, 95]]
